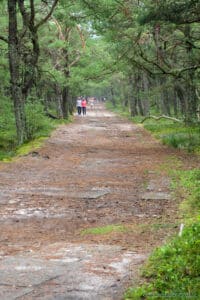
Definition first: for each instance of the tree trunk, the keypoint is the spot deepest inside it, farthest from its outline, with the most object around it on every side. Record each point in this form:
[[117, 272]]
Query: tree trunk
[[175, 103], [14, 65], [132, 98], [125, 96], [191, 114], [181, 95], [71, 104], [145, 89], [133, 106], [112, 96], [138, 86], [166, 102], [140, 106], [65, 102]]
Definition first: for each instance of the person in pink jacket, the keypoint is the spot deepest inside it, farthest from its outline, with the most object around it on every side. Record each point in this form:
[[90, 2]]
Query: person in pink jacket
[[84, 105]]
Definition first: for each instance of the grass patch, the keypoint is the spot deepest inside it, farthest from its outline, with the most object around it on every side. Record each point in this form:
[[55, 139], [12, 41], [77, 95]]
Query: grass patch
[[8, 136], [158, 226], [119, 109], [171, 133], [30, 146], [173, 271], [189, 184], [171, 164], [23, 150], [104, 230], [175, 134], [39, 127]]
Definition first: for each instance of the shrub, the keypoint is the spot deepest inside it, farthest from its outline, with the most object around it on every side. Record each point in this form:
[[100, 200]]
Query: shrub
[[173, 271], [8, 138], [37, 123], [190, 183]]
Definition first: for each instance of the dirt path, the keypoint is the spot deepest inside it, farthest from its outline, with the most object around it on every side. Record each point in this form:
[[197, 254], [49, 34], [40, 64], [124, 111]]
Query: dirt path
[[101, 170]]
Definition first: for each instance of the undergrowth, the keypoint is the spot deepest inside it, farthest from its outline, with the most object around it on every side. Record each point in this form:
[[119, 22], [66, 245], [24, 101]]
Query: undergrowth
[[38, 126], [8, 137], [189, 182], [123, 111], [177, 135], [173, 270]]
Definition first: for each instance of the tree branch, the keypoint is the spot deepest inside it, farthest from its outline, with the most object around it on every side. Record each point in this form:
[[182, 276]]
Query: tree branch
[[175, 72], [60, 33], [3, 39], [25, 15], [48, 15], [32, 17], [161, 117], [74, 62], [81, 36]]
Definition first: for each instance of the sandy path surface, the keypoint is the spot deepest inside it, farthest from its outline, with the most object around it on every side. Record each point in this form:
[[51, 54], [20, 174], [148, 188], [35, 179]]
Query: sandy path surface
[[100, 170]]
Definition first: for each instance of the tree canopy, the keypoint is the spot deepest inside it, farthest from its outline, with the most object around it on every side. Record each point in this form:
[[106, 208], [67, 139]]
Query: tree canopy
[[143, 54]]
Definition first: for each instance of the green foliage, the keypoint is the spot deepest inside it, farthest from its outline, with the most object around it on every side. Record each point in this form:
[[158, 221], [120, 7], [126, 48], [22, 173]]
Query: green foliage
[[30, 146], [183, 140], [37, 123], [172, 271], [190, 183], [169, 132], [174, 134], [179, 12], [7, 126], [118, 108]]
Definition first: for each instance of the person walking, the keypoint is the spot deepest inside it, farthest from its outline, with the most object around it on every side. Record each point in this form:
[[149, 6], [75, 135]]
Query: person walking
[[84, 105], [79, 105]]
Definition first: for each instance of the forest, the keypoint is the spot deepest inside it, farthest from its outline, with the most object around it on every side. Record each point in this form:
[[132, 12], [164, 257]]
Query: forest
[[143, 57]]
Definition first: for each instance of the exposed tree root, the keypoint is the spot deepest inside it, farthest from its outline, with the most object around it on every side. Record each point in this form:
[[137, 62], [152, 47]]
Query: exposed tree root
[[161, 117]]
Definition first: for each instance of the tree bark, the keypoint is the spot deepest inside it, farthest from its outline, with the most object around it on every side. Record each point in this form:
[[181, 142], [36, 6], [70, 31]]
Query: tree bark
[[30, 59], [191, 114], [180, 92], [161, 117], [145, 89], [112, 96], [132, 98], [65, 102], [175, 103], [14, 65]]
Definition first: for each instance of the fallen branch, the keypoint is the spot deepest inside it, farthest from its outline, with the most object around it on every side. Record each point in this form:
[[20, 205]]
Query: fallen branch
[[2, 38], [51, 116], [161, 117]]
